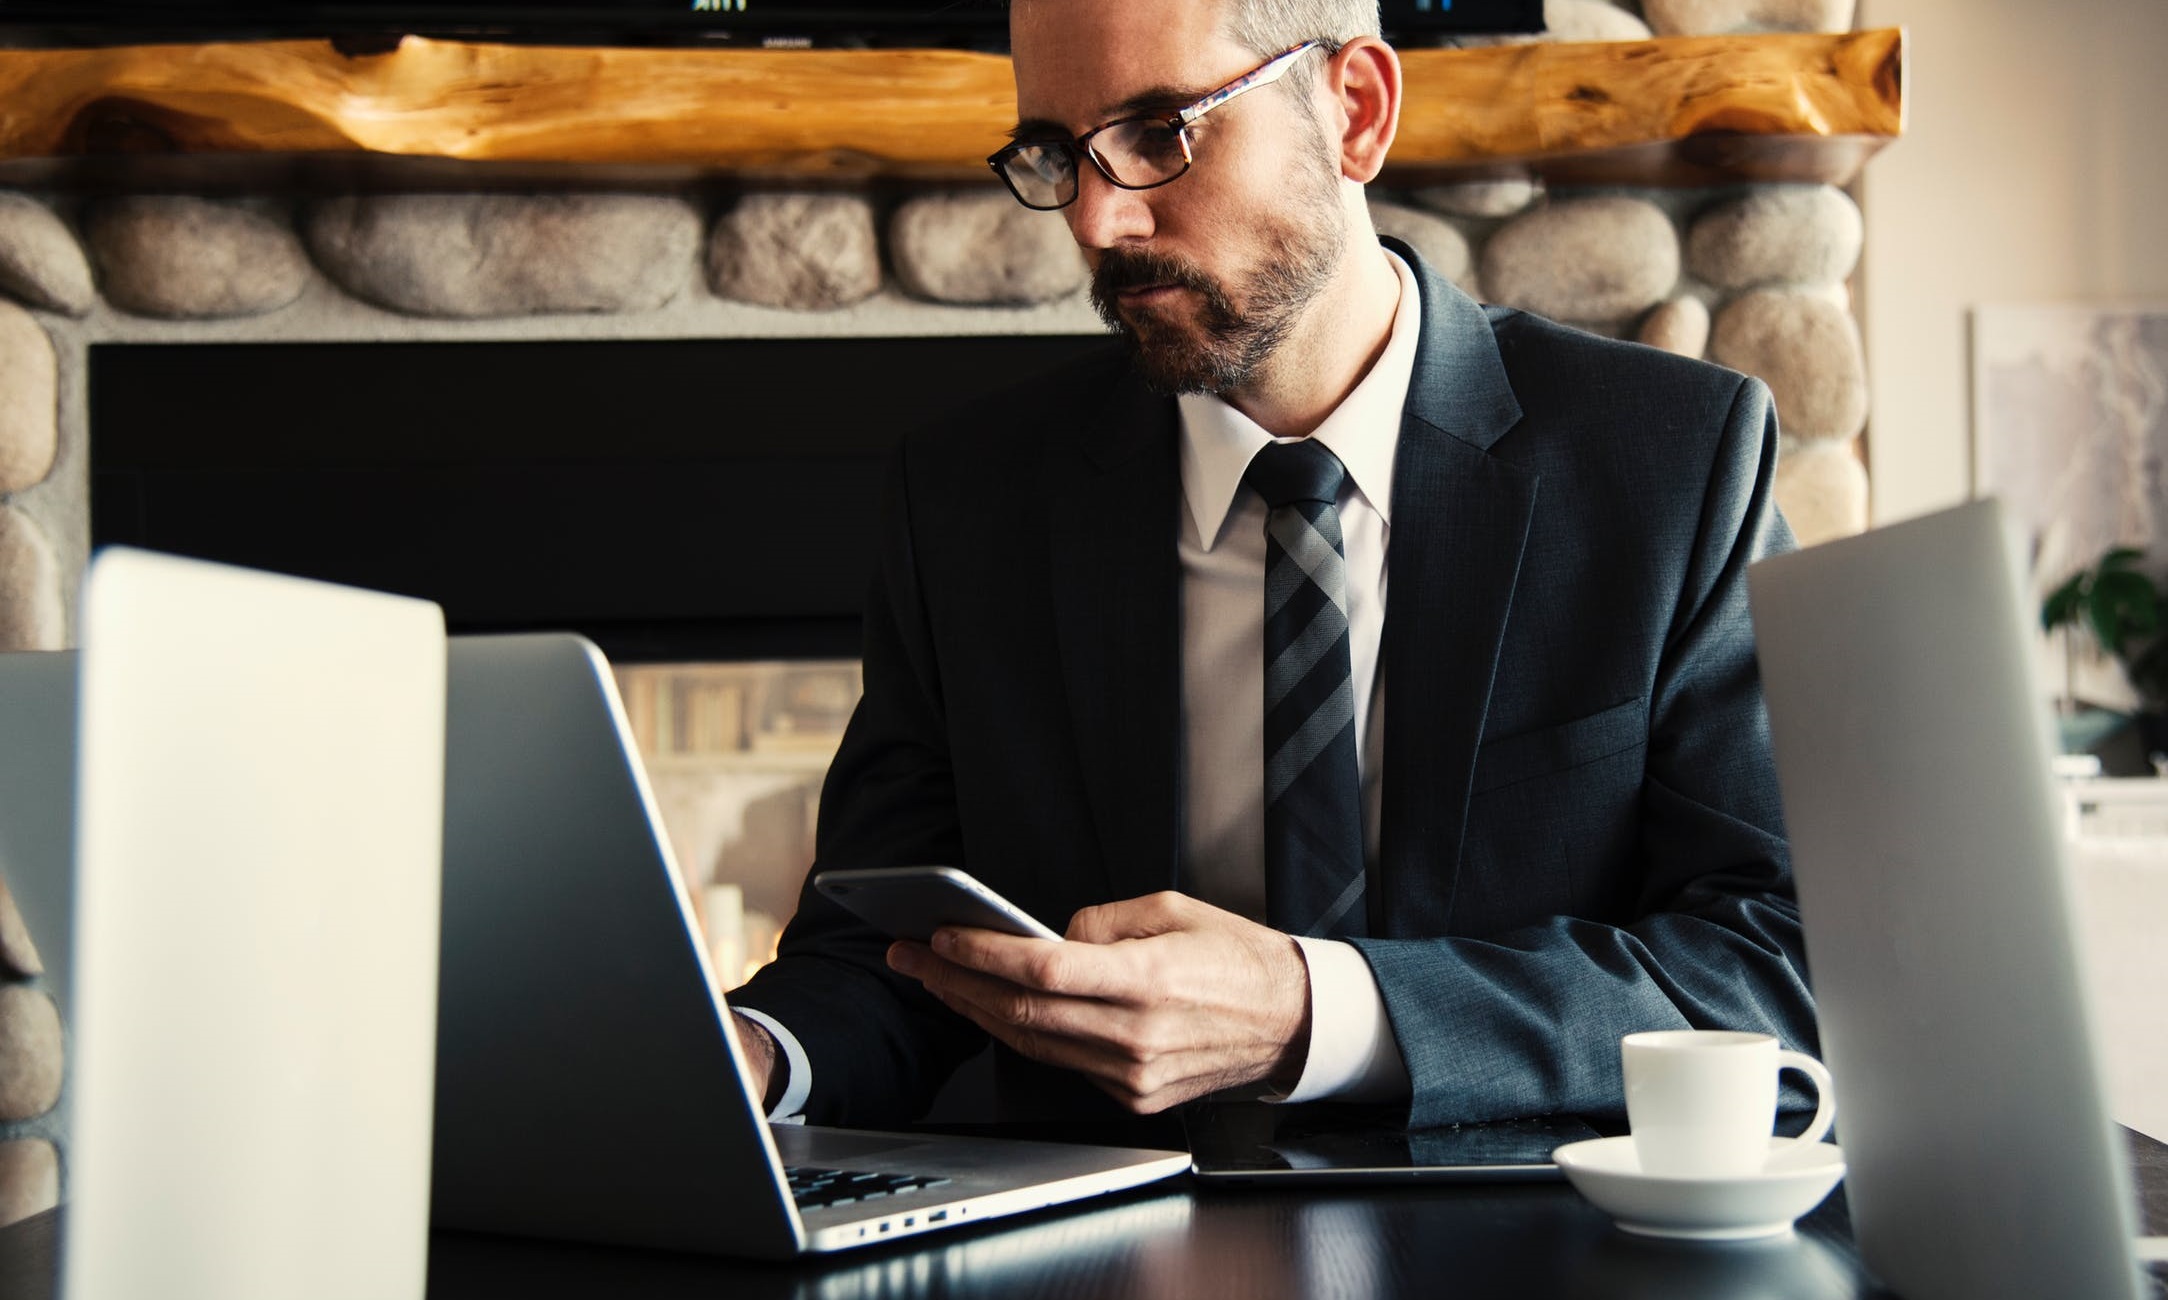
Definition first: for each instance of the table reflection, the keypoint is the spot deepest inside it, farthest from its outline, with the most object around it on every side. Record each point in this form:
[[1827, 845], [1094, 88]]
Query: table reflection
[[1129, 1249], [1796, 1266], [1183, 1242]]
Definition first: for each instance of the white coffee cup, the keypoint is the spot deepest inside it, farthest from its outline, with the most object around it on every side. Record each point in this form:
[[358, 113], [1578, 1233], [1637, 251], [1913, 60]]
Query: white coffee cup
[[1702, 1102]]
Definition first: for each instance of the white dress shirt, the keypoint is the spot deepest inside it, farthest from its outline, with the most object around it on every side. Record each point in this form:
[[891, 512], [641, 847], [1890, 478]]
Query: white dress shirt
[[1352, 1055]]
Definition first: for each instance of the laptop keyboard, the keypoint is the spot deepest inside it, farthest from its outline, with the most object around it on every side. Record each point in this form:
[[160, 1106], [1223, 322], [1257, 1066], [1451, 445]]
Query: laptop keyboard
[[813, 1187]]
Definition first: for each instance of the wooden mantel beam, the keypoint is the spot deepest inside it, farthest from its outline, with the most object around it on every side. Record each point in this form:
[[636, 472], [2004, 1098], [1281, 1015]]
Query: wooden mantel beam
[[1827, 99], [1809, 106]]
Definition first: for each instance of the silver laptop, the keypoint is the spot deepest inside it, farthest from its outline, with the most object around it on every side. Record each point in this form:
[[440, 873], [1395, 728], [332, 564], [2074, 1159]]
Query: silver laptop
[[257, 813], [588, 1085], [1912, 745]]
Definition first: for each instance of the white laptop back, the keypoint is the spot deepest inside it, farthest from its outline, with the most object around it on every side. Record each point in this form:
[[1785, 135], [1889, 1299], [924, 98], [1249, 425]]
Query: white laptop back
[[1912, 745], [260, 822]]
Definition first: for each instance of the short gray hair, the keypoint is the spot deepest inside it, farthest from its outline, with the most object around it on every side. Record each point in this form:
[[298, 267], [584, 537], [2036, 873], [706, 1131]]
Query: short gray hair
[[1269, 26]]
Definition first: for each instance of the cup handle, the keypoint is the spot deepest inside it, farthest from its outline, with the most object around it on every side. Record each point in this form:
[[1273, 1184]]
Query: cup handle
[[1825, 1100]]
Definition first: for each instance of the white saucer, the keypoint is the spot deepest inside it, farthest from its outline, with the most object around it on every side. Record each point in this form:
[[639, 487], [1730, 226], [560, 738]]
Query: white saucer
[[1797, 1177]]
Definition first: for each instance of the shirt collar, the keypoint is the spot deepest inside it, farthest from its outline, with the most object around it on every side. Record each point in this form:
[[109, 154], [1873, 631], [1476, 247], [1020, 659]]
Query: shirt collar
[[1219, 441]]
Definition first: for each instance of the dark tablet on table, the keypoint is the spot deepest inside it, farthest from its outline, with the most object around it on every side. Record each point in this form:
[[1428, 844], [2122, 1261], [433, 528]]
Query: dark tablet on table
[[1253, 1142]]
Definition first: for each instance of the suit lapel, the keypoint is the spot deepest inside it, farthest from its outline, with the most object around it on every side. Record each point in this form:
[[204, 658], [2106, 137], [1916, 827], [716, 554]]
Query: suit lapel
[[1114, 492], [1459, 525]]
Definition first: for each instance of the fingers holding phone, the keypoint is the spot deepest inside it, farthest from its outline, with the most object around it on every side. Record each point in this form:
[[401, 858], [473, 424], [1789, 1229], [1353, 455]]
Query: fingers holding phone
[[1157, 1000]]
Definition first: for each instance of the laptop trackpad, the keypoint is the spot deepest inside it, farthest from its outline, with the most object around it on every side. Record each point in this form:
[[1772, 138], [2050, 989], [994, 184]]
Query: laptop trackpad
[[798, 1144]]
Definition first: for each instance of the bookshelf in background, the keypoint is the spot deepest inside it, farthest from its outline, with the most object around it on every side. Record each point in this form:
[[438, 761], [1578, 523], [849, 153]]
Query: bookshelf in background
[[735, 753]]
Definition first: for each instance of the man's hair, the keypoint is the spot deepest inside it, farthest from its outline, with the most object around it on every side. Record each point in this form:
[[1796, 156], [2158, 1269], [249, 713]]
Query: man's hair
[[1270, 26]]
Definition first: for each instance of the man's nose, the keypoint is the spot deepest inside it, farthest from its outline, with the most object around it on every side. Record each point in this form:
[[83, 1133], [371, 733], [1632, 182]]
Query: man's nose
[[1104, 214]]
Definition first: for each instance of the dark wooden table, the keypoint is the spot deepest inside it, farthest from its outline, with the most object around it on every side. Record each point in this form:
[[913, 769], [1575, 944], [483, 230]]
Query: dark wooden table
[[1181, 1240]]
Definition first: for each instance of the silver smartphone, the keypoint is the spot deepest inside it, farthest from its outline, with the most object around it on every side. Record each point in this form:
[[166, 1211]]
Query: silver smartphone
[[913, 902]]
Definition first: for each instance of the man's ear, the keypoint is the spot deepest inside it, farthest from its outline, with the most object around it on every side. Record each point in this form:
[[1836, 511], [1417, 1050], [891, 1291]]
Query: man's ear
[[1363, 80]]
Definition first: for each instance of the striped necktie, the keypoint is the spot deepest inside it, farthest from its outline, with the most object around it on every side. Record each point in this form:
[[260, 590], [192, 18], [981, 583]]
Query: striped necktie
[[1313, 810]]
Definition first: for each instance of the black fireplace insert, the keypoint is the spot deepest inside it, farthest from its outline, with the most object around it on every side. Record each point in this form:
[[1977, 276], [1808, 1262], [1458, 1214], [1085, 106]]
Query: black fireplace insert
[[672, 500]]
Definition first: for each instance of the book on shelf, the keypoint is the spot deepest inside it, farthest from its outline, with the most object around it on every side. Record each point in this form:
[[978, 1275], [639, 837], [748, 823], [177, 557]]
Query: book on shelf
[[713, 717], [637, 689], [699, 709]]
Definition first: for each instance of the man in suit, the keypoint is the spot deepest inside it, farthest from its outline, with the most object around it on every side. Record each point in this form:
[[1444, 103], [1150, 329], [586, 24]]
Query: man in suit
[[1130, 658]]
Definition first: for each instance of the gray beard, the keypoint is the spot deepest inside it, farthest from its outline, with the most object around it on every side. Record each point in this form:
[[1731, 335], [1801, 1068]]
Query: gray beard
[[1236, 333]]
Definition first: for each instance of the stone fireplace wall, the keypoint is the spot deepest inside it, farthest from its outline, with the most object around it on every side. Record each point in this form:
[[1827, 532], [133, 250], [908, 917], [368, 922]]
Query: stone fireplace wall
[[1753, 277], [31, 1119]]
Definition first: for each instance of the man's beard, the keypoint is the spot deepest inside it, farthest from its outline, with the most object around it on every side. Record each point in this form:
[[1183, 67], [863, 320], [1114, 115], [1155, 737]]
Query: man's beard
[[1236, 330]]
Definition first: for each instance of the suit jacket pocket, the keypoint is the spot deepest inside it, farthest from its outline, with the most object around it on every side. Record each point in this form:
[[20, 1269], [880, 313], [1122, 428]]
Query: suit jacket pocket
[[1530, 754]]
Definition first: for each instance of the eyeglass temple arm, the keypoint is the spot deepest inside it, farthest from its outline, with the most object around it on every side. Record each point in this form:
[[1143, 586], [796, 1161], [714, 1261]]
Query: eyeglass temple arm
[[1264, 76]]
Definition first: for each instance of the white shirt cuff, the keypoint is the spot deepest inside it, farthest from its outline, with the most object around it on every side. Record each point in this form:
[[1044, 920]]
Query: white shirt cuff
[[1353, 1056], [799, 1085]]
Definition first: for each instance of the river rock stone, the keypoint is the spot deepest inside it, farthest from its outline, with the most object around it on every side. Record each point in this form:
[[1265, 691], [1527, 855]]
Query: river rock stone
[[1715, 17], [187, 258], [1435, 238], [29, 1053], [18, 955], [1595, 259], [468, 256], [29, 401], [40, 262], [1591, 20], [1822, 489], [1681, 326], [33, 615], [1779, 234], [1807, 350], [1837, 293], [29, 1179], [982, 247], [807, 252], [1501, 198]]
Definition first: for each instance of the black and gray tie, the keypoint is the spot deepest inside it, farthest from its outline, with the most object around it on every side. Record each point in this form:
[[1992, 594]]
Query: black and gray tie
[[1313, 809]]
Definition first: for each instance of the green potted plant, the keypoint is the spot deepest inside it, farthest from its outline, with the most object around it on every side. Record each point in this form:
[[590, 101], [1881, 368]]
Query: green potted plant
[[2115, 605]]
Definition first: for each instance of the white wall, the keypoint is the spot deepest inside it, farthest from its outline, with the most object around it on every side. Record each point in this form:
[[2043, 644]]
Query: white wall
[[2034, 168]]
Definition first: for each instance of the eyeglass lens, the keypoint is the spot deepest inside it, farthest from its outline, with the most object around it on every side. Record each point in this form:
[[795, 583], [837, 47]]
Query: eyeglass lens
[[1136, 154], [1043, 175]]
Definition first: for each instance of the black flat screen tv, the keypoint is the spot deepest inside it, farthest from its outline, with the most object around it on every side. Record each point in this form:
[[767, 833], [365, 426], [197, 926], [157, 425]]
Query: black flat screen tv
[[970, 23]]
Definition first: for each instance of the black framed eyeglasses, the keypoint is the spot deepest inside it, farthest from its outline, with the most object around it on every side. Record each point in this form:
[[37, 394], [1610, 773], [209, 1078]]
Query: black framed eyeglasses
[[1136, 153]]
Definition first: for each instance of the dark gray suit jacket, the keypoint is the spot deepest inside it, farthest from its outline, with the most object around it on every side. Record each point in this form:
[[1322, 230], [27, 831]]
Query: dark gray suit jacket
[[1580, 835]]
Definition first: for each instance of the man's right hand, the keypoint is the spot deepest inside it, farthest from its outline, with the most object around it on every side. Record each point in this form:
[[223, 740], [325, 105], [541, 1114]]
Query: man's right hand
[[760, 1053]]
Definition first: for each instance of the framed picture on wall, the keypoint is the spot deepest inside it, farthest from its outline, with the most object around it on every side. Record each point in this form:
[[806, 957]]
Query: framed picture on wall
[[2070, 429]]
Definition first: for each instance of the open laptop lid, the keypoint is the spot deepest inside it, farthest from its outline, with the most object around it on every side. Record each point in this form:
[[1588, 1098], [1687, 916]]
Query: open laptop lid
[[259, 816], [1912, 747], [588, 1085]]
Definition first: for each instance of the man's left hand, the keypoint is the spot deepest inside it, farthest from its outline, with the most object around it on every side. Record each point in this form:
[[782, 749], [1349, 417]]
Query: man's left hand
[[1156, 1000]]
